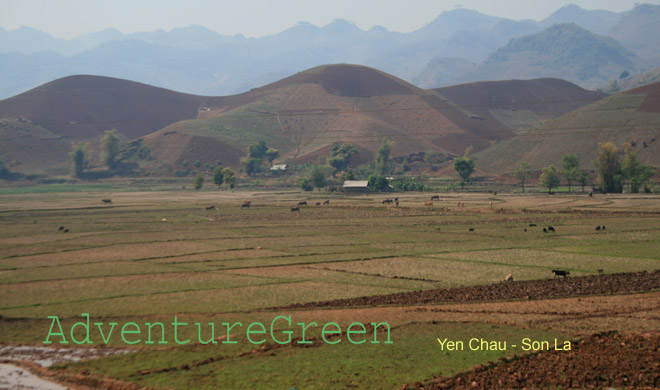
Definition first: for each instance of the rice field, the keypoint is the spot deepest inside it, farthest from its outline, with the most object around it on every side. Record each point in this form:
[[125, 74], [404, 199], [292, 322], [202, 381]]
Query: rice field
[[156, 255]]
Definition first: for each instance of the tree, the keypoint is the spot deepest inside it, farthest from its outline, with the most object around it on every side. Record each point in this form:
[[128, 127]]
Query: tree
[[218, 176], [271, 154], [110, 148], [523, 173], [318, 177], [257, 151], [347, 175], [608, 167], [636, 173], [464, 166], [584, 179], [378, 183], [199, 181], [229, 177], [79, 159], [252, 166], [340, 157], [382, 162], [304, 184], [550, 177], [571, 171]]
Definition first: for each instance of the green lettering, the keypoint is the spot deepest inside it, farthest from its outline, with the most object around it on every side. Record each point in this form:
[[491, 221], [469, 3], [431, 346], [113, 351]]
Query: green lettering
[[199, 333], [176, 324], [162, 332], [100, 324], [389, 340], [337, 331], [287, 332], [229, 328], [350, 332], [260, 331], [124, 330], [60, 333], [84, 325]]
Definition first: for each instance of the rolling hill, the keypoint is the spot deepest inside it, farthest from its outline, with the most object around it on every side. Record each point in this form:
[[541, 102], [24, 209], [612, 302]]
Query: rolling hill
[[302, 116], [632, 116]]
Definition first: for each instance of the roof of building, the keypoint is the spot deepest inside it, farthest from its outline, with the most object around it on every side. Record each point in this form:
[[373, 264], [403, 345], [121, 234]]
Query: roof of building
[[356, 183]]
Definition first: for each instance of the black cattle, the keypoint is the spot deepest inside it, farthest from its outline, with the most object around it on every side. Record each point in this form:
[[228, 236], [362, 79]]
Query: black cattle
[[597, 227], [61, 228], [303, 203], [295, 209], [471, 229], [211, 207], [545, 230], [326, 202], [560, 272], [532, 225], [318, 203], [603, 227], [106, 200], [435, 197], [551, 229], [246, 204]]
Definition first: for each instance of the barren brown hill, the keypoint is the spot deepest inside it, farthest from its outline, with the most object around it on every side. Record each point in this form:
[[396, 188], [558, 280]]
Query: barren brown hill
[[83, 107], [520, 103], [303, 114], [632, 116]]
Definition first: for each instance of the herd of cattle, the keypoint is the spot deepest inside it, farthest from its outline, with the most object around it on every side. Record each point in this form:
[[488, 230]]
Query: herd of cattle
[[508, 278]]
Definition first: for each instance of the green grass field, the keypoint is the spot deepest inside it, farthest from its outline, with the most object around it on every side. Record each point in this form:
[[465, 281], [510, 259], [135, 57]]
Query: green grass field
[[151, 256]]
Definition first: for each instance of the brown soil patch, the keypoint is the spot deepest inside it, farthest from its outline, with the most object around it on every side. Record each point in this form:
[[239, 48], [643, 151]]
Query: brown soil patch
[[533, 289], [600, 361]]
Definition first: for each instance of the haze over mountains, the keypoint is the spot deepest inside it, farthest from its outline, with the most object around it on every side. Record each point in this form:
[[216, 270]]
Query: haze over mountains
[[457, 46]]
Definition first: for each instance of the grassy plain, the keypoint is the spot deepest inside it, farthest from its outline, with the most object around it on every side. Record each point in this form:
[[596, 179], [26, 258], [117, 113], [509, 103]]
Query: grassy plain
[[151, 256]]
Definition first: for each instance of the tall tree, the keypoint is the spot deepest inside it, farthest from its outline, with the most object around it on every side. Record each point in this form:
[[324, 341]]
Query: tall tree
[[523, 173], [110, 148], [229, 177], [340, 157], [636, 173], [218, 176], [199, 181], [571, 169], [79, 159], [382, 162], [550, 177], [318, 177], [608, 167]]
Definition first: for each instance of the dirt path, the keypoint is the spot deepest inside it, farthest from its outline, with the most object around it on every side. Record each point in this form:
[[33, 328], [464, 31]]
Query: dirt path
[[531, 289]]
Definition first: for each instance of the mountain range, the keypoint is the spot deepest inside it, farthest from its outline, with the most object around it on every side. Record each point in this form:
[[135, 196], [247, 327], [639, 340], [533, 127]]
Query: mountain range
[[456, 47], [302, 115]]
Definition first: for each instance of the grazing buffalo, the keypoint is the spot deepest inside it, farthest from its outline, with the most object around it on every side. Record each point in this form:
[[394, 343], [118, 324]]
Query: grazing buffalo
[[471, 229], [560, 272], [327, 202], [550, 228], [295, 209], [211, 207], [246, 204], [435, 197], [303, 203], [106, 200], [318, 203], [545, 230], [387, 201], [532, 225]]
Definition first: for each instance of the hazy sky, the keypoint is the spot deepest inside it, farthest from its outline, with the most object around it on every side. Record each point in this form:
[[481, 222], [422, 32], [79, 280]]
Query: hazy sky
[[255, 18]]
